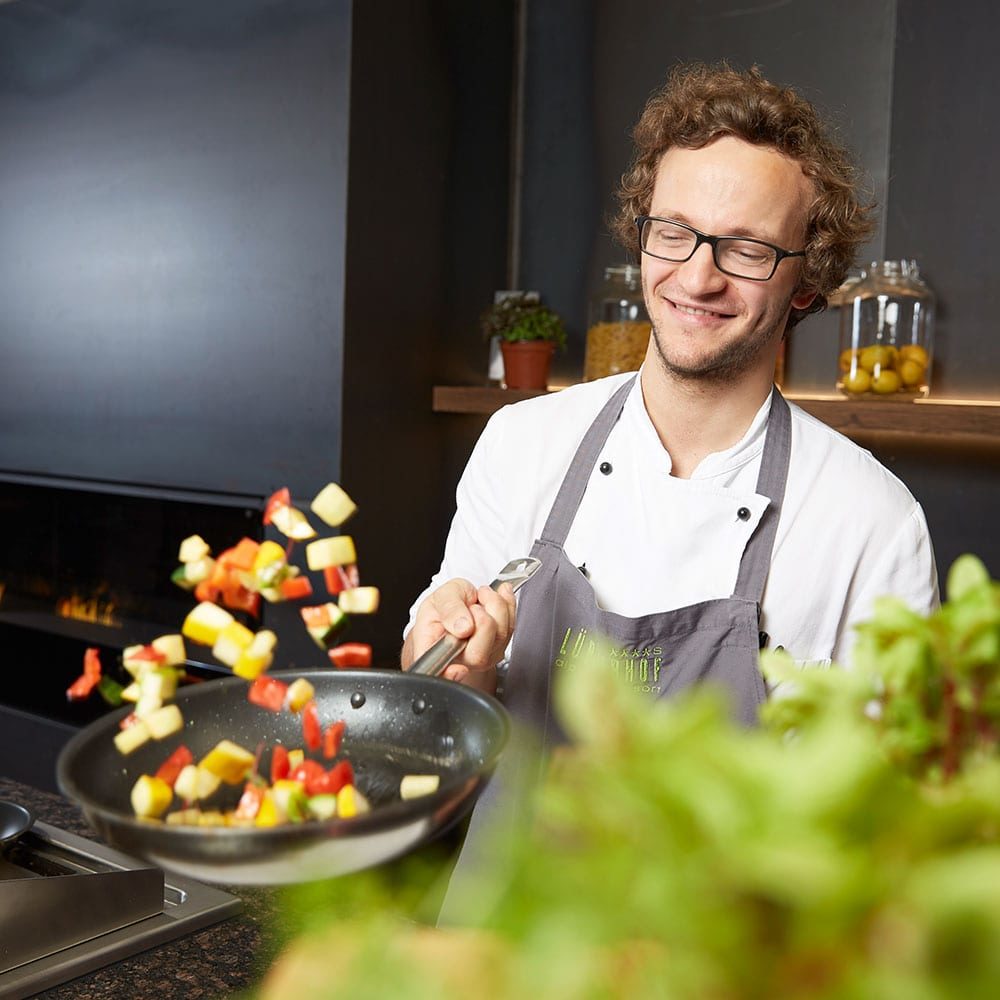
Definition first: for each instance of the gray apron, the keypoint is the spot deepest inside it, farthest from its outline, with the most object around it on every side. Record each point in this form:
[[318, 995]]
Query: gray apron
[[717, 641]]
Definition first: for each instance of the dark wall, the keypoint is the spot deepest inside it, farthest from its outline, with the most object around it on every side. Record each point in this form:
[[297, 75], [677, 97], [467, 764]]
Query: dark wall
[[172, 234], [426, 246]]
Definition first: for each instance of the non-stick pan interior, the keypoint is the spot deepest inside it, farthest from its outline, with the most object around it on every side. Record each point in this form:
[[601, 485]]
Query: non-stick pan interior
[[397, 724]]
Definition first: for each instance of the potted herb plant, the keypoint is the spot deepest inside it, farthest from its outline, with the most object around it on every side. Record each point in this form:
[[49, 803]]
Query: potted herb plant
[[529, 333]]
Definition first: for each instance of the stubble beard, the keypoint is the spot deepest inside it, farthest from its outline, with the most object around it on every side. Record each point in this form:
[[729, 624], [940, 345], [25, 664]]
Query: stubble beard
[[731, 360]]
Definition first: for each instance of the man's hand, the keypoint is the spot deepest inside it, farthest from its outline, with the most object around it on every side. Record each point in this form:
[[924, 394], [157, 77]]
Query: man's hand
[[482, 616]]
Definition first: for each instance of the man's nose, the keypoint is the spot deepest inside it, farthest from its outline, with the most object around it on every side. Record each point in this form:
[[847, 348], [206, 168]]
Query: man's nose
[[699, 273]]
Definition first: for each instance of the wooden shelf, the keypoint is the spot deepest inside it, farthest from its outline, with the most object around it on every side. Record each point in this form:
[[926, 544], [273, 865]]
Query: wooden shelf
[[973, 423]]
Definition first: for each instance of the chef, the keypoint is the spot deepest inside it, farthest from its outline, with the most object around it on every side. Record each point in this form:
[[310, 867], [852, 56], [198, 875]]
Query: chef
[[688, 512]]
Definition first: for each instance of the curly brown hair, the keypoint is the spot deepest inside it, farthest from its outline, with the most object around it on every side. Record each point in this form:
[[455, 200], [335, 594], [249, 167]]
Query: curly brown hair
[[700, 103]]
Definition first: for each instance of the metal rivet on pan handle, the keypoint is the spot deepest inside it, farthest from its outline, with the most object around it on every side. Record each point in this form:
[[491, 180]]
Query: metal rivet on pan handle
[[433, 662]]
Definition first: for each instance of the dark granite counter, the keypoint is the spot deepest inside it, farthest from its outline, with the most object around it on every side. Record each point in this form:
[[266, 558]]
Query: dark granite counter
[[218, 961]]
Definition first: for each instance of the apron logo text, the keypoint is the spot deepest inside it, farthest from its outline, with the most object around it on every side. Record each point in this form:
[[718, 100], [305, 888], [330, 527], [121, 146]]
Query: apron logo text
[[639, 666]]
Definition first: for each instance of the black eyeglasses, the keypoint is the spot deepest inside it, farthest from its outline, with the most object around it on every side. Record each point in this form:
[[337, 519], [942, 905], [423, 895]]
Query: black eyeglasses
[[738, 256]]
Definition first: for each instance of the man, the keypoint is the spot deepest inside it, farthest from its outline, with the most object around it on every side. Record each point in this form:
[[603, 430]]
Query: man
[[670, 508]]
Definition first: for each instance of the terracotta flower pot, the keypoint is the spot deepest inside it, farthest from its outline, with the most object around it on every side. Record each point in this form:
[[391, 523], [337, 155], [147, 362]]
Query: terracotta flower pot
[[526, 363]]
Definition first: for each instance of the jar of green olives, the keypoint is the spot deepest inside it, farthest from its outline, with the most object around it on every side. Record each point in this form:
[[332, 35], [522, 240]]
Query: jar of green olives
[[886, 333]]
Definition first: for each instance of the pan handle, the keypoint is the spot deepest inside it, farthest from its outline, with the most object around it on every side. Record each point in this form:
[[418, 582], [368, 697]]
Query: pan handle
[[433, 662]]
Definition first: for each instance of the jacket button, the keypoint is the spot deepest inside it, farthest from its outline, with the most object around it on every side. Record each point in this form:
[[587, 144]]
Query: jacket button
[[605, 468], [743, 513]]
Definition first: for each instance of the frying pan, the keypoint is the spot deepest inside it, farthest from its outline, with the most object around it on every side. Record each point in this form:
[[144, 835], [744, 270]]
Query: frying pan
[[397, 724]]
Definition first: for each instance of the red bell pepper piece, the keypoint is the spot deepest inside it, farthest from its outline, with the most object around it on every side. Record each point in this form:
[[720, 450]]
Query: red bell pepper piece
[[339, 775], [239, 598], [279, 763], [250, 800], [311, 735], [332, 738], [280, 498], [207, 591], [150, 653], [88, 680], [351, 654], [311, 774], [174, 764], [295, 587], [338, 578], [241, 555], [267, 692]]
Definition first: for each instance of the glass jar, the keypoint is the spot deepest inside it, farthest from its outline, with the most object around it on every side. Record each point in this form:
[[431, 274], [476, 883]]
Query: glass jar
[[618, 327], [886, 333]]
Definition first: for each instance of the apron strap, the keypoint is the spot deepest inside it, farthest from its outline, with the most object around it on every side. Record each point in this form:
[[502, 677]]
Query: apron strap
[[771, 479], [574, 485]]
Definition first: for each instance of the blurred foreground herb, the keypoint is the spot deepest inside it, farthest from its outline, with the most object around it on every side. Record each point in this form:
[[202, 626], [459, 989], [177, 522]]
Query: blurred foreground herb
[[676, 855]]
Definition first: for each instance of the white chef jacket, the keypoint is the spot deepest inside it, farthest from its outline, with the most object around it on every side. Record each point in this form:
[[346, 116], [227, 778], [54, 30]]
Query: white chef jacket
[[849, 530]]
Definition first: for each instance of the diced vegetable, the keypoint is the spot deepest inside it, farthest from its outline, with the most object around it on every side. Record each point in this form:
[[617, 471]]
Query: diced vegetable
[[338, 578], [89, 679], [336, 551], [295, 757], [414, 786], [350, 802], [242, 555], [279, 763], [311, 734], [110, 690], [322, 806], [341, 774], [174, 764], [204, 623], [248, 808], [290, 521], [257, 657], [333, 505], [164, 722], [308, 774], [229, 761], [132, 737], [332, 737], [267, 815], [351, 654], [290, 799], [195, 783], [268, 554], [359, 600], [184, 817], [295, 587], [300, 692], [137, 660], [232, 642], [324, 622], [189, 575], [151, 797], [193, 548], [279, 498], [132, 692], [172, 648], [268, 692]]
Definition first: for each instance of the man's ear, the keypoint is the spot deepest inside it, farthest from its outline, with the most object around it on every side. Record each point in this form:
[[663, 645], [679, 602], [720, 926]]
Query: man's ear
[[803, 298]]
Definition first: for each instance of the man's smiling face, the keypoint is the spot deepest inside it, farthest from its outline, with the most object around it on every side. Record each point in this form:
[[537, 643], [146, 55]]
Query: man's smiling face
[[709, 326]]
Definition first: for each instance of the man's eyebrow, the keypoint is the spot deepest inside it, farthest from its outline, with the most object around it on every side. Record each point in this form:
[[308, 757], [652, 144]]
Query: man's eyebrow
[[734, 231]]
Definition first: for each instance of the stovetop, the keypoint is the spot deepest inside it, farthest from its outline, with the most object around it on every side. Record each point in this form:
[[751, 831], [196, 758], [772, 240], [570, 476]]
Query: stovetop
[[69, 906]]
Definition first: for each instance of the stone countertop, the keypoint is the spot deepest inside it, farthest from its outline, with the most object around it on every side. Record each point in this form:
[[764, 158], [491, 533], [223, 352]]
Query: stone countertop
[[219, 960]]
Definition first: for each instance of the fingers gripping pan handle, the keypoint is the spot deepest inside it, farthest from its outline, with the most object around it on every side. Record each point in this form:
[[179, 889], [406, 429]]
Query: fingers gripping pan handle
[[433, 662]]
